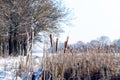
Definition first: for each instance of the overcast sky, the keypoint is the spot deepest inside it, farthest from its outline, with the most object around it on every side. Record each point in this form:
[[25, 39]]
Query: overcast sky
[[93, 18]]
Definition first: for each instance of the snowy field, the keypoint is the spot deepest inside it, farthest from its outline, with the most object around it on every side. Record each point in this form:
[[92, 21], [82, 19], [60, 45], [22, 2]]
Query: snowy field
[[10, 66]]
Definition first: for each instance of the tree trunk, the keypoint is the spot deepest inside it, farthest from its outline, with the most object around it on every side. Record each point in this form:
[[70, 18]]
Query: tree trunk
[[10, 45]]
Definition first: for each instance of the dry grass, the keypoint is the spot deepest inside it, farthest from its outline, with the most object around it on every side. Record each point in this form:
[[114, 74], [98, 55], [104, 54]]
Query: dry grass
[[72, 65], [68, 66]]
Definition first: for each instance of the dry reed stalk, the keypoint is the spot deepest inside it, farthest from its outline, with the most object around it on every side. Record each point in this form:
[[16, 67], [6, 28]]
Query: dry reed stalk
[[44, 60], [27, 59], [32, 38], [33, 31], [27, 41]]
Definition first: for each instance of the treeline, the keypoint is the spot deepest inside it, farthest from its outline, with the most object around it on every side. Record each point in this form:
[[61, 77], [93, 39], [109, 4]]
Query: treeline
[[100, 45]]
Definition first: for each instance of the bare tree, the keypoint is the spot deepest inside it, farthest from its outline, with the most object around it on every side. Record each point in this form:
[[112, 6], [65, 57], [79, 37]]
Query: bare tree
[[18, 16]]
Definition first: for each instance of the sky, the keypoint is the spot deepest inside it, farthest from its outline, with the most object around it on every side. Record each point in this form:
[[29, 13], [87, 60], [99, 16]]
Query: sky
[[92, 19]]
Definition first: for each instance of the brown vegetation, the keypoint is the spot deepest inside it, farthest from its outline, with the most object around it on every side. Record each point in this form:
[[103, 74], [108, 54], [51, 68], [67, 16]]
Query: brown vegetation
[[89, 63], [95, 66]]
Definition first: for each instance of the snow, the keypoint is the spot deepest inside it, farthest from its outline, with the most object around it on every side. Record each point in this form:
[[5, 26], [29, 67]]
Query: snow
[[9, 66], [38, 54], [7, 75]]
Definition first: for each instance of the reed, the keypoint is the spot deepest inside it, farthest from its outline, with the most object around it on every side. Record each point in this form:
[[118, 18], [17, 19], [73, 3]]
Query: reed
[[83, 65], [66, 44]]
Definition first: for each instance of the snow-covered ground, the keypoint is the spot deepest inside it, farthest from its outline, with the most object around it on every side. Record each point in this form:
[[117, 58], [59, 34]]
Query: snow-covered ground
[[8, 68], [10, 65]]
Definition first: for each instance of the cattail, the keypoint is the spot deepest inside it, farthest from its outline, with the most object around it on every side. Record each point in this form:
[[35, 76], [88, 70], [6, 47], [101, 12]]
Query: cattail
[[32, 38], [56, 44], [65, 46], [32, 34], [51, 40], [66, 43]]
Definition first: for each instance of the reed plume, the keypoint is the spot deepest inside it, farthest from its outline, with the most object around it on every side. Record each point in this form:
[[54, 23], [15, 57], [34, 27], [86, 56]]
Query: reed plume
[[66, 44]]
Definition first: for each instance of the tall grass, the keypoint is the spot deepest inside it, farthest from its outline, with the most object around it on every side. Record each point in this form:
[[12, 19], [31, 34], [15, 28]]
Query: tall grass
[[82, 66], [95, 66]]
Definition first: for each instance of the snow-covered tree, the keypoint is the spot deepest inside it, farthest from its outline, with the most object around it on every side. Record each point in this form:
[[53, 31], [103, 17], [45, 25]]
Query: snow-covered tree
[[104, 40], [117, 42], [94, 42], [18, 17]]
